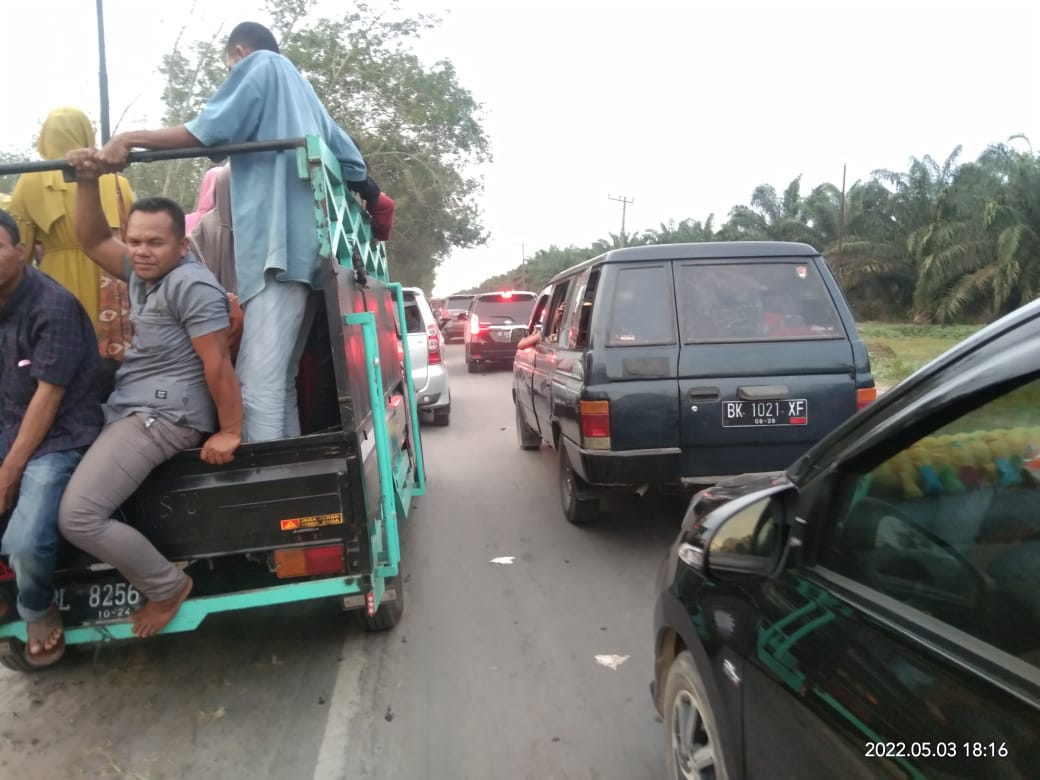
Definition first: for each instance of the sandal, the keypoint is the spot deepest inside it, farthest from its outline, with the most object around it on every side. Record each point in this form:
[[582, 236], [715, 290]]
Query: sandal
[[39, 631]]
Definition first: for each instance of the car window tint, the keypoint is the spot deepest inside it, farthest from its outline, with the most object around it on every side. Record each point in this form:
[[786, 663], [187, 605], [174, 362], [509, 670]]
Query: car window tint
[[950, 525], [555, 312], [413, 318], [581, 317], [642, 309], [774, 301], [508, 309]]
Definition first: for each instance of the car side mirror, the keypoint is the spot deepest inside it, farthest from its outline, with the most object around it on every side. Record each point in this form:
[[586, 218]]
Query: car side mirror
[[745, 536], [463, 316]]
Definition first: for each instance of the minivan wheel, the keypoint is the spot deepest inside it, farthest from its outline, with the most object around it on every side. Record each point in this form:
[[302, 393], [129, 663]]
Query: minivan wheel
[[695, 752], [473, 367], [577, 510], [526, 436]]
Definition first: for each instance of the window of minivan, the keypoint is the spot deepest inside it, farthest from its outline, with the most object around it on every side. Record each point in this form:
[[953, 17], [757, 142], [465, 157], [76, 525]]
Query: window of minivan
[[457, 301], [499, 307], [755, 301], [642, 312]]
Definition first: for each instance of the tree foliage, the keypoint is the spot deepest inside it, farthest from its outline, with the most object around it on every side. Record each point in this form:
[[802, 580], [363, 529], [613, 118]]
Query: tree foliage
[[419, 130], [940, 242]]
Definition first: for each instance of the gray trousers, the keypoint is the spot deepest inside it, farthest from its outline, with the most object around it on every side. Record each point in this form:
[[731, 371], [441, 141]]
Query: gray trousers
[[113, 468]]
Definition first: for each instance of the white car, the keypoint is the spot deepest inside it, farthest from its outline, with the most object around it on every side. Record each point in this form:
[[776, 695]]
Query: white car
[[426, 352]]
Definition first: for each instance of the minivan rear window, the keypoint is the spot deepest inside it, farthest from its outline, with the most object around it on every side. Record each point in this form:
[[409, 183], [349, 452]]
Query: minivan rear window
[[643, 309], [748, 301], [498, 308], [458, 302]]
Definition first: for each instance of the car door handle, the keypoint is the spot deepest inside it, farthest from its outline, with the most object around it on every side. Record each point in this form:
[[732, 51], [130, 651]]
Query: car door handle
[[703, 394], [762, 392]]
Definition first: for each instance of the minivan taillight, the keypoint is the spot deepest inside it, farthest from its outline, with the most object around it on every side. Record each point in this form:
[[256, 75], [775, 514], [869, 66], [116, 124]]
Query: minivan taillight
[[595, 424], [865, 396], [433, 350], [474, 324]]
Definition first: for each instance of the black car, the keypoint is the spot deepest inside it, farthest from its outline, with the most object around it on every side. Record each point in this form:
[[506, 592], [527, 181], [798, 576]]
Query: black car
[[497, 321], [875, 609]]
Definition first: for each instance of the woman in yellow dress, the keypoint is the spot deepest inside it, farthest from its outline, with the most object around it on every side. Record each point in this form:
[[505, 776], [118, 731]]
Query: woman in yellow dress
[[42, 203]]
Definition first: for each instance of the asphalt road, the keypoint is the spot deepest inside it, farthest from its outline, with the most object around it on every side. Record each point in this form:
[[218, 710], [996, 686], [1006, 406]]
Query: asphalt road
[[491, 673]]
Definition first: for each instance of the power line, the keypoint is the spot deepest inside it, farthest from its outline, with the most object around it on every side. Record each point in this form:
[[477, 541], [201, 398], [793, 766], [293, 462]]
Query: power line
[[624, 201]]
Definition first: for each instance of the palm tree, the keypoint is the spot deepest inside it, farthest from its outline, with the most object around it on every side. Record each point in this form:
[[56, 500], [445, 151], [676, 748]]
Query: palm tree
[[770, 217], [685, 232], [980, 257]]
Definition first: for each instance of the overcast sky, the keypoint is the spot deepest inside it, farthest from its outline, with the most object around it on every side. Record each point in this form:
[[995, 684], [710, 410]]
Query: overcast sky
[[683, 107]]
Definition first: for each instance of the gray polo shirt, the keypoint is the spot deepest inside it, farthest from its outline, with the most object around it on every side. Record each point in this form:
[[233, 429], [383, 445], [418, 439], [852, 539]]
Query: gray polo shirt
[[161, 373]]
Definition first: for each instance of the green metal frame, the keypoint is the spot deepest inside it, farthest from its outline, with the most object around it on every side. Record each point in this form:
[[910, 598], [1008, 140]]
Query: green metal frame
[[345, 234], [194, 611]]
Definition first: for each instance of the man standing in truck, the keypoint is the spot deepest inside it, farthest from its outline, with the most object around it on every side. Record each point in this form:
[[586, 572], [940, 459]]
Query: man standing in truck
[[265, 98], [49, 415], [176, 385]]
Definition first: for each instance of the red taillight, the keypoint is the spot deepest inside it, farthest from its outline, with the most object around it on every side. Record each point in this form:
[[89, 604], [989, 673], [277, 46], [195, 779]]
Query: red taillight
[[474, 324], [507, 295], [865, 396], [400, 351], [595, 424], [433, 350], [309, 561]]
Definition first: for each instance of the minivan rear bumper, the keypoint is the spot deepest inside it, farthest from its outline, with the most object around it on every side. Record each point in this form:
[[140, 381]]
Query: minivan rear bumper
[[673, 466]]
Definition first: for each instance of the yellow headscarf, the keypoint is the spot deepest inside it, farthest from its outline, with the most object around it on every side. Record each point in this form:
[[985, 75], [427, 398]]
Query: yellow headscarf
[[65, 129]]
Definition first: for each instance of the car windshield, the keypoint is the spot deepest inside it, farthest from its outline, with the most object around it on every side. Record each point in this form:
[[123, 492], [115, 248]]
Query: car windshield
[[770, 301], [515, 309]]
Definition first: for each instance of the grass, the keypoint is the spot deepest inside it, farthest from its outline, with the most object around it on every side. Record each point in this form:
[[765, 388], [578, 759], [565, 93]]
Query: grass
[[898, 349]]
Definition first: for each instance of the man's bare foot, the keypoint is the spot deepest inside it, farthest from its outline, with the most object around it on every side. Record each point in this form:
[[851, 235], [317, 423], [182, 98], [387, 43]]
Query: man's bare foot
[[46, 637], [152, 618]]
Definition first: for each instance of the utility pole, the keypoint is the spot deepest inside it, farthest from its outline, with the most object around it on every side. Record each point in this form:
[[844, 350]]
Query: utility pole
[[624, 201], [523, 268], [841, 217], [102, 72]]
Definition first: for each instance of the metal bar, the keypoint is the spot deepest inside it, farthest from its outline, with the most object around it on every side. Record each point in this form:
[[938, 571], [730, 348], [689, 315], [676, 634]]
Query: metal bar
[[157, 155], [413, 406], [102, 72], [385, 542], [194, 611]]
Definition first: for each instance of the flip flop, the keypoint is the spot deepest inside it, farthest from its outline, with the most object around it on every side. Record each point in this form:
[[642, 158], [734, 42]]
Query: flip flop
[[39, 631]]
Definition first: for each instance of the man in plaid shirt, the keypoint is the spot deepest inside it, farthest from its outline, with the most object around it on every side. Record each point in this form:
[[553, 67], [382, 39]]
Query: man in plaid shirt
[[50, 412]]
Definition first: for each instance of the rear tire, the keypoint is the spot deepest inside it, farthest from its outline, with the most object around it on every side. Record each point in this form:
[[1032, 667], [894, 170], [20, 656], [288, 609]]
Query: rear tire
[[473, 368], [577, 510], [389, 613], [14, 658], [694, 746], [526, 436]]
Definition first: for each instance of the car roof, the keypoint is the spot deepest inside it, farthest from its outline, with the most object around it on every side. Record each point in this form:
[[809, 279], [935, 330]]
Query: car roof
[[705, 250]]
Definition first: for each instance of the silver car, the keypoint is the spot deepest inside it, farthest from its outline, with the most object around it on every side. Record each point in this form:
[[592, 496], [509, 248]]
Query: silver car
[[426, 352]]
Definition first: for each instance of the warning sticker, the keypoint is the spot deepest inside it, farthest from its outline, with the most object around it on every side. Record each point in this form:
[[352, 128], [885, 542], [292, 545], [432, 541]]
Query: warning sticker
[[314, 521]]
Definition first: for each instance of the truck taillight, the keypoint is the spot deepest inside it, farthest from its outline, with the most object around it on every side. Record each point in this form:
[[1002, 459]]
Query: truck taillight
[[865, 396], [433, 350], [309, 561], [595, 424]]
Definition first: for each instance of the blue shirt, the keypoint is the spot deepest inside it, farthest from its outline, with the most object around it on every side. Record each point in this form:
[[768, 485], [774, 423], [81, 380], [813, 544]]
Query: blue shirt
[[46, 335], [266, 99], [162, 375]]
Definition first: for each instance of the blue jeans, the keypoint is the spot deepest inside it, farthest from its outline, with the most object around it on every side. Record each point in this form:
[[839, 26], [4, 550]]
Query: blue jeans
[[274, 334], [31, 538]]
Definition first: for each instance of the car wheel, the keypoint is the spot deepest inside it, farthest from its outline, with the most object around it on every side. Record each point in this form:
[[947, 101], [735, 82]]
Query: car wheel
[[442, 417], [694, 749], [526, 436], [473, 367], [577, 509]]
